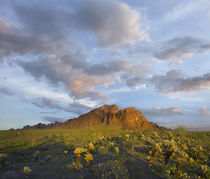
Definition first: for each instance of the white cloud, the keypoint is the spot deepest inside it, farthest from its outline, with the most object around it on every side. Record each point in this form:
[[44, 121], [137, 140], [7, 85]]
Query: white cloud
[[182, 10]]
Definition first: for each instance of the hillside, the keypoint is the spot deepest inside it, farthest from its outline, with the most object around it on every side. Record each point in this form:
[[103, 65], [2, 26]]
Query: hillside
[[111, 116], [114, 152]]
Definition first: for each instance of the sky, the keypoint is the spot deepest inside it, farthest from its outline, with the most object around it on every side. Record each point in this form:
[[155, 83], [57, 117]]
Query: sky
[[61, 58]]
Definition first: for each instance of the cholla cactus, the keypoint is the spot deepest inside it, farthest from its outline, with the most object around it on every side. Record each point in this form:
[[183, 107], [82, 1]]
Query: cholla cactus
[[184, 147], [170, 135], [111, 144], [27, 171], [149, 140], [75, 165], [175, 170], [191, 161], [91, 147], [65, 153], [3, 158], [153, 151], [199, 150], [195, 152], [127, 136], [204, 170], [78, 152], [117, 150], [182, 156], [143, 137], [157, 149], [88, 158], [101, 138], [184, 175], [156, 135], [132, 148], [169, 147], [36, 155], [149, 157]]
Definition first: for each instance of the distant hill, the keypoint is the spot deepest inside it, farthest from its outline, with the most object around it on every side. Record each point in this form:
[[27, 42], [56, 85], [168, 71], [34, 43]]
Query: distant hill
[[111, 116], [42, 126]]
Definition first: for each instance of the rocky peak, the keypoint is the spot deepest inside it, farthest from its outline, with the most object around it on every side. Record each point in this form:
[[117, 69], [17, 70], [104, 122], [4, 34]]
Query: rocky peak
[[108, 108], [111, 115]]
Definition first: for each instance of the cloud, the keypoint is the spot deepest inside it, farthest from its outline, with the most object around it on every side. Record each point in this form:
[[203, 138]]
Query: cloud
[[4, 91], [102, 18], [70, 74], [55, 68], [60, 60], [181, 47], [162, 112], [49, 103], [175, 81], [13, 41], [75, 107], [79, 108], [183, 10], [81, 80], [204, 111], [105, 17], [137, 73], [53, 119], [49, 22], [106, 68]]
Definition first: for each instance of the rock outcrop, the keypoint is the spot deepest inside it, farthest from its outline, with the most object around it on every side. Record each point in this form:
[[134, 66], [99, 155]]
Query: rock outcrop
[[111, 116], [43, 126]]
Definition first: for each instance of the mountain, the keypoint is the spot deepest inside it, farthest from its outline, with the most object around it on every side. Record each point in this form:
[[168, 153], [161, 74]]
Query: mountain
[[111, 116], [42, 126]]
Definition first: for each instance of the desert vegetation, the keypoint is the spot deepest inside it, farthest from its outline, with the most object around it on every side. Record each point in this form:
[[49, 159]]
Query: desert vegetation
[[104, 152]]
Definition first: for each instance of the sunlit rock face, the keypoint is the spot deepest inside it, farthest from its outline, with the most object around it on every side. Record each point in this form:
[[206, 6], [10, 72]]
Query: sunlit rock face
[[112, 116]]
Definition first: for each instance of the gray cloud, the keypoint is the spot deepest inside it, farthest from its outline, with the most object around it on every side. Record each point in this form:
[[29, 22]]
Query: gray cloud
[[102, 18], [181, 47], [132, 73], [49, 103], [4, 91], [70, 72], [43, 20], [55, 68], [53, 119], [79, 83], [113, 22], [109, 67], [13, 41], [204, 111], [81, 80], [78, 108], [75, 107], [136, 74], [59, 59], [162, 112], [174, 81]]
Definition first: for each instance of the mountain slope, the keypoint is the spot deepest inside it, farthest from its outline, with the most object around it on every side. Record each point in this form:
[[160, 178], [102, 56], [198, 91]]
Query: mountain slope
[[111, 116]]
